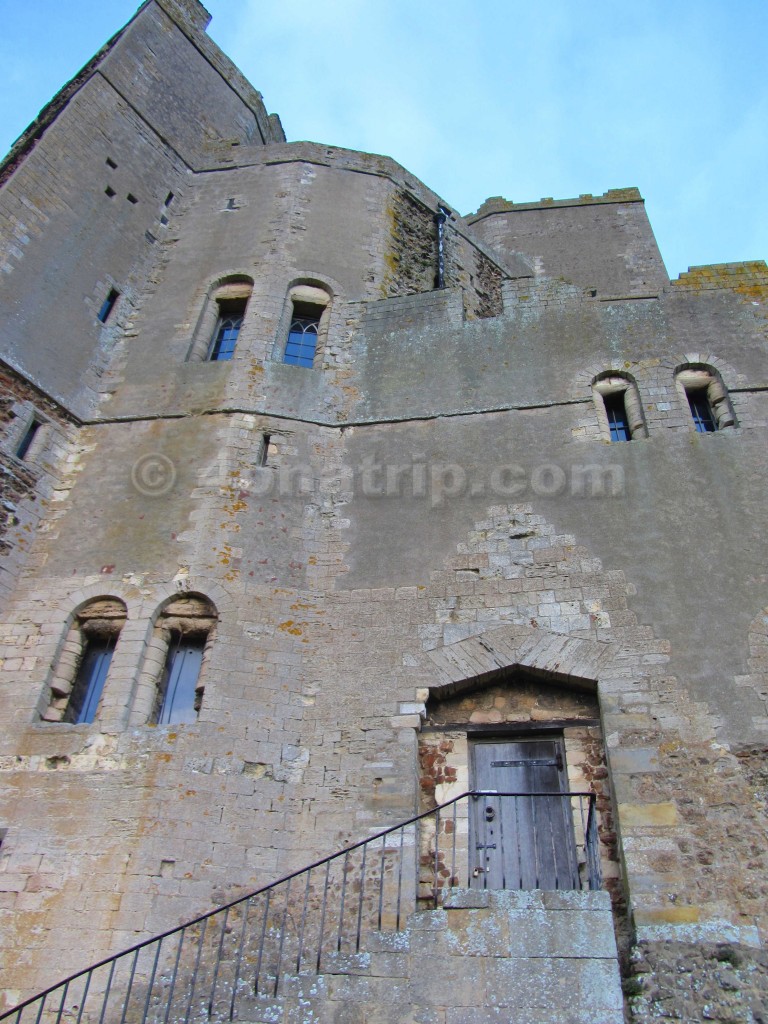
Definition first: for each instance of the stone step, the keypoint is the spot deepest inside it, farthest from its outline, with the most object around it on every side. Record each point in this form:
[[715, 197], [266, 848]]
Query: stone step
[[483, 958]]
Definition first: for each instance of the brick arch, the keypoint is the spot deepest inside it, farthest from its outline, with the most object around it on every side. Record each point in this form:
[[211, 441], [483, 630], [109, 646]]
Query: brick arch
[[519, 594], [317, 279], [103, 624], [331, 320], [154, 644], [65, 610], [522, 663], [581, 384]]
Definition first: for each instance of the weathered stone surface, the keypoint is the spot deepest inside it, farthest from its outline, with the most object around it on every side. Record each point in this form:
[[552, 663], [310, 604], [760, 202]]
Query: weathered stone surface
[[426, 984], [430, 519], [707, 982]]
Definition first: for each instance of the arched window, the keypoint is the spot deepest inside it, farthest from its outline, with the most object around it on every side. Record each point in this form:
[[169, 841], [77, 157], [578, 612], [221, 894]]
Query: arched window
[[231, 314], [81, 671], [706, 397], [619, 407], [186, 626], [309, 311], [219, 327]]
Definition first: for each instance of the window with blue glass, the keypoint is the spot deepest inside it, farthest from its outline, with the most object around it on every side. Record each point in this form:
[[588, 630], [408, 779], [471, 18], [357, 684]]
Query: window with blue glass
[[89, 681], [303, 331], [618, 421], [227, 331], [27, 439], [186, 626], [701, 410], [108, 305], [179, 693], [620, 410], [79, 677], [703, 390]]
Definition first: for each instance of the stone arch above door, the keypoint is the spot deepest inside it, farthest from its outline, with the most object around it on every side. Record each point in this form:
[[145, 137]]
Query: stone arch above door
[[520, 597], [555, 656], [522, 700]]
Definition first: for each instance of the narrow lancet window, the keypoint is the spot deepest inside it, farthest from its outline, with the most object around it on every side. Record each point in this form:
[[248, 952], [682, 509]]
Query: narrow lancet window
[[231, 314], [302, 334], [620, 410]]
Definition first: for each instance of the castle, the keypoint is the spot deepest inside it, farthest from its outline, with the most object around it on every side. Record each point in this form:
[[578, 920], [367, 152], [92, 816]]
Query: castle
[[325, 506]]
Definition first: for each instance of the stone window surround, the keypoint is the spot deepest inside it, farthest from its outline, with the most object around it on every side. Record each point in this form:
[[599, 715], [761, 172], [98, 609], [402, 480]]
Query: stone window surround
[[130, 693], [230, 287], [312, 292], [611, 382], [24, 415], [189, 615], [703, 377], [665, 406], [100, 617]]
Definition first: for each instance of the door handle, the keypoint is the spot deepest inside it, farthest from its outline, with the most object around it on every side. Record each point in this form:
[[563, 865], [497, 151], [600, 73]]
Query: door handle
[[490, 814]]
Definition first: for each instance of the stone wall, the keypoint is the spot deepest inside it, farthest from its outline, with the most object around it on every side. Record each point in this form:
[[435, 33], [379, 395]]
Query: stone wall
[[518, 707], [426, 533], [286, 778], [577, 240], [84, 209], [412, 259], [29, 484], [698, 982], [484, 958]]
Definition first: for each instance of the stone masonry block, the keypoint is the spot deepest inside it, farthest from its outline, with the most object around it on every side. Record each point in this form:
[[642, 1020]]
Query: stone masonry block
[[555, 982], [658, 815], [462, 899], [447, 980], [568, 1014]]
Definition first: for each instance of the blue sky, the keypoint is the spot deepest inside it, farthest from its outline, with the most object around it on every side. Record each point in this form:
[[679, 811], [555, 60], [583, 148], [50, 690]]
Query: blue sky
[[487, 97]]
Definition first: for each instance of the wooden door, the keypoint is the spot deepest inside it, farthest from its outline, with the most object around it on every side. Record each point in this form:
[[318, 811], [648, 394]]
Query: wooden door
[[523, 840]]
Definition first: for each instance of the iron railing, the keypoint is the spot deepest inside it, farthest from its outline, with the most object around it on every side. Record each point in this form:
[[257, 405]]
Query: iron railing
[[227, 963]]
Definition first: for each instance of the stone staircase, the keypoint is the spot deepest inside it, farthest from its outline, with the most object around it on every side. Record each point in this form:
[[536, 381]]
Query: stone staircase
[[504, 957], [338, 942]]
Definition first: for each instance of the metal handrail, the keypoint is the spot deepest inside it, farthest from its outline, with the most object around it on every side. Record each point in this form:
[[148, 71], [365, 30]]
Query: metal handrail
[[235, 969]]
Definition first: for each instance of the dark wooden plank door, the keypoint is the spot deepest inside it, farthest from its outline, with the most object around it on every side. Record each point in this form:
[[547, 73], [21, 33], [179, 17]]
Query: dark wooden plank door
[[522, 841]]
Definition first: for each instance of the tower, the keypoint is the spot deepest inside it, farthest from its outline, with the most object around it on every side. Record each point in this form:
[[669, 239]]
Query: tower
[[300, 546]]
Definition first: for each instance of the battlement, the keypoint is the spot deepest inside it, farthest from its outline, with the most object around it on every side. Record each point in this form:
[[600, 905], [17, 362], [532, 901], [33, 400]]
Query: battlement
[[577, 239], [497, 204]]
